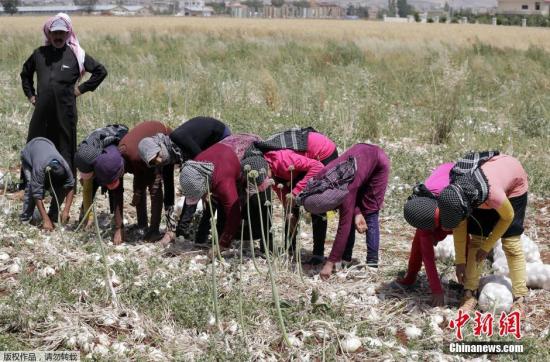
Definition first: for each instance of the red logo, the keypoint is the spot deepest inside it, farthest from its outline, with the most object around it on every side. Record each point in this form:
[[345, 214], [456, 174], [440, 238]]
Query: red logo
[[507, 324], [510, 324], [459, 322], [483, 324]]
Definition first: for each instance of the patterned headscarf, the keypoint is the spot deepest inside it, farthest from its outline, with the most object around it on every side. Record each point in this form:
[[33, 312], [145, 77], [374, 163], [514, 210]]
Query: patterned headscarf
[[255, 166], [252, 151], [72, 40], [453, 206], [93, 145], [469, 188], [149, 147], [420, 212], [255, 163], [85, 157], [468, 175], [294, 139], [240, 142], [193, 178]]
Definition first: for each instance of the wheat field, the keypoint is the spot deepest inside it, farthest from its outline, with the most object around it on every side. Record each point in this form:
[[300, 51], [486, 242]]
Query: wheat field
[[373, 34], [427, 93]]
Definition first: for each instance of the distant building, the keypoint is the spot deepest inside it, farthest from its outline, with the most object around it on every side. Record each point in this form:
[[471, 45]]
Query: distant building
[[523, 7], [117, 10], [285, 11], [194, 8], [136, 10], [121, 10], [49, 9], [163, 7], [325, 10], [373, 12], [318, 10], [238, 10]]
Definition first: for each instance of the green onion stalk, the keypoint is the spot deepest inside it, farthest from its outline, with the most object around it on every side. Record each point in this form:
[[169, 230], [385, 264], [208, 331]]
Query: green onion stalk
[[270, 223], [247, 169], [298, 253], [215, 249], [293, 233], [289, 198], [284, 229], [265, 232], [241, 313], [108, 283], [274, 291]]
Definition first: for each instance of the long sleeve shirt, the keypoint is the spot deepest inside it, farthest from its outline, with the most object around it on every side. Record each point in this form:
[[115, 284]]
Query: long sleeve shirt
[[439, 178], [298, 167], [226, 176], [36, 156], [319, 146], [507, 179], [143, 175], [58, 71], [197, 134], [128, 146], [366, 191], [422, 250], [289, 166]]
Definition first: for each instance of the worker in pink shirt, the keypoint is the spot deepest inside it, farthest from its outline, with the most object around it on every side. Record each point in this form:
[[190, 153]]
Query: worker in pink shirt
[[492, 189], [421, 212], [294, 156]]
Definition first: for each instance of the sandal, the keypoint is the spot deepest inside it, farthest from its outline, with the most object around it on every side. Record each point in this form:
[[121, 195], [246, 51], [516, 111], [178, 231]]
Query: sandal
[[468, 302]]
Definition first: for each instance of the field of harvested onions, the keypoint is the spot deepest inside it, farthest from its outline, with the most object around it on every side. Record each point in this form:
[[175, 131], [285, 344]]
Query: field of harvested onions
[[424, 99]]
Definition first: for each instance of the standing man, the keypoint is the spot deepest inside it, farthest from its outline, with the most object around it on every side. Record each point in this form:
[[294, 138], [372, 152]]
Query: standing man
[[59, 65]]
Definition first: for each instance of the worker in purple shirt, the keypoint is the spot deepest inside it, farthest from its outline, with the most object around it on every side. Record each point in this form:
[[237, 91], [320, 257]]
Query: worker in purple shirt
[[359, 208]]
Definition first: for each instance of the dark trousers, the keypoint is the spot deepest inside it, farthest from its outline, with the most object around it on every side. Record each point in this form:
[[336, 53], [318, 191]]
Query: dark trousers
[[140, 200], [56, 120], [205, 224], [372, 239], [258, 219], [255, 221], [186, 217], [319, 222], [319, 225]]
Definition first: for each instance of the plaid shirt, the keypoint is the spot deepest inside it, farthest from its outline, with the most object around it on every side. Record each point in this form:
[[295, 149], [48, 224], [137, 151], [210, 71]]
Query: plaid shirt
[[93, 145], [294, 139]]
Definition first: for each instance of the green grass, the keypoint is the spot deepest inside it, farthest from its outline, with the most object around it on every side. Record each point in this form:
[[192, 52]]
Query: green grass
[[444, 100]]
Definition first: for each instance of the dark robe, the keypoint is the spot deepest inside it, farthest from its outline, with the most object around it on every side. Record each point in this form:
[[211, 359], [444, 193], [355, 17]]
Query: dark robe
[[55, 115]]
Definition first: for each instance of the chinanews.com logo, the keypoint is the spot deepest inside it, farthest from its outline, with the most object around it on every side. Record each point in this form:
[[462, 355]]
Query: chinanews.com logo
[[508, 324]]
